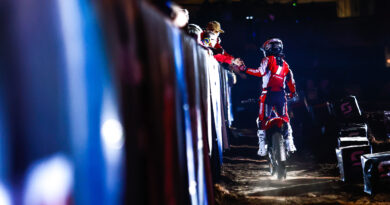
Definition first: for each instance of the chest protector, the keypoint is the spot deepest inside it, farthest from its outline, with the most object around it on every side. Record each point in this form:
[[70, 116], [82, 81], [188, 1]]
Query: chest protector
[[278, 74]]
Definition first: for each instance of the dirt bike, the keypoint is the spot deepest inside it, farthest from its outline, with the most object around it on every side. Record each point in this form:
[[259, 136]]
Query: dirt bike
[[276, 128]]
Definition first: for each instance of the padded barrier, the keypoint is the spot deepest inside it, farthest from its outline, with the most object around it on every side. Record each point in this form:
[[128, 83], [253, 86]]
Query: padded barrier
[[353, 130], [349, 163], [376, 172], [349, 141], [348, 110]]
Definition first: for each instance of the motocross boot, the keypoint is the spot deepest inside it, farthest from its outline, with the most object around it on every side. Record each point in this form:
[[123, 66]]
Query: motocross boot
[[290, 140], [262, 145]]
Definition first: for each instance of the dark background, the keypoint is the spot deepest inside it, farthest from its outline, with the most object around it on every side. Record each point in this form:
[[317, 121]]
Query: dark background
[[331, 55]]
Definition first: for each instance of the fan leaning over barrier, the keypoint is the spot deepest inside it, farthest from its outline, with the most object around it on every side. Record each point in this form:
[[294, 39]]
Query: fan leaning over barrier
[[210, 39]]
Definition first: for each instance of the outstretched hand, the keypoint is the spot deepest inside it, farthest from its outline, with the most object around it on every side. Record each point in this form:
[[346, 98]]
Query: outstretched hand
[[237, 62], [238, 65]]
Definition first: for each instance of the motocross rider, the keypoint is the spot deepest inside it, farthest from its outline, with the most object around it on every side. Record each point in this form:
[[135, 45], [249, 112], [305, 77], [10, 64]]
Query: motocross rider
[[275, 73]]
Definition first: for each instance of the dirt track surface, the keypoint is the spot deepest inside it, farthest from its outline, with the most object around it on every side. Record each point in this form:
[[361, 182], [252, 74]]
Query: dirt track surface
[[246, 180]]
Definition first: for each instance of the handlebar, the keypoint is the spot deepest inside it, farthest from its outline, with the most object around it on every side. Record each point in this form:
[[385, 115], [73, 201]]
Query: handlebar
[[252, 100]]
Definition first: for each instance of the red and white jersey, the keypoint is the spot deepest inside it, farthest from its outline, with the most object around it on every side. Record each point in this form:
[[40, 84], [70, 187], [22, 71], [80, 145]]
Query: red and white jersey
[[274, 76]]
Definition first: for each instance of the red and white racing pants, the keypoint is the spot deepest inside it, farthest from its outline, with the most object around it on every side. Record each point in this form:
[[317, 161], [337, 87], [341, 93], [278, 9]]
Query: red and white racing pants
[[266, 107]]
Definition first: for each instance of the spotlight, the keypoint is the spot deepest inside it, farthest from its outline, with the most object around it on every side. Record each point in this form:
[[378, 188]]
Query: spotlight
[[112, 133]]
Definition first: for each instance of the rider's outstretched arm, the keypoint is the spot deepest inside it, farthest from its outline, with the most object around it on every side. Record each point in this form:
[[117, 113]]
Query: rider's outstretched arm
[[260, 71]]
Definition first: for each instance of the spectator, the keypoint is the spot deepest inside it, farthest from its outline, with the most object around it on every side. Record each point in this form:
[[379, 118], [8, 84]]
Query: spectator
[[210, 38], [179, 16], [195, 31]]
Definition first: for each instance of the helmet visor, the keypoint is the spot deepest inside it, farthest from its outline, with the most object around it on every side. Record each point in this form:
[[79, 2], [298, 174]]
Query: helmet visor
[[276, 45]]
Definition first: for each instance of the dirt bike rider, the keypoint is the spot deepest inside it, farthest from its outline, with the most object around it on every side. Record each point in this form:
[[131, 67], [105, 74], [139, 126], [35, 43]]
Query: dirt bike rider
[[275, 73]]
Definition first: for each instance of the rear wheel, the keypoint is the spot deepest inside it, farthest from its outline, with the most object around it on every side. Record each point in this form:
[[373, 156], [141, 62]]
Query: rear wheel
[[282, 170], [272, 162], [278, 156]]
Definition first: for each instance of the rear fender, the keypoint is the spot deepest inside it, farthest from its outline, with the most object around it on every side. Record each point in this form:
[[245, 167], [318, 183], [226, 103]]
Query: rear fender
[[276, 121]]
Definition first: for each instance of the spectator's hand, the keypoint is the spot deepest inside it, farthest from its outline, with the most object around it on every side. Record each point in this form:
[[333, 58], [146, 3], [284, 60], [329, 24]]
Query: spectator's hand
[[208, 50], [238, 62], [241, 65], [238, 65]]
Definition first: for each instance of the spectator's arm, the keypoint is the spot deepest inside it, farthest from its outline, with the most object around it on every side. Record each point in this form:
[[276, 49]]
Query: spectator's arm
[[224, 58]]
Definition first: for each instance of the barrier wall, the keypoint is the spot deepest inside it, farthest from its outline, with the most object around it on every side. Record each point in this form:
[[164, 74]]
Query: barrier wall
[[182, 112]]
